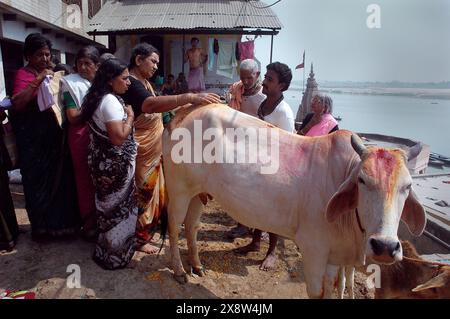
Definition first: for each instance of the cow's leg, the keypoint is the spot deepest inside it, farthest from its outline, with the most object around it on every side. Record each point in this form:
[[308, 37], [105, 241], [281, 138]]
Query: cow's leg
[[192, 224], [350, 281], [177, 210], [331, 278], [314, 265], [341, 282]]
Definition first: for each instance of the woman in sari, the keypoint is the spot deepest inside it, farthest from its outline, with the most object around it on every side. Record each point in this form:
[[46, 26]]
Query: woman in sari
[[149, 127], [9, 229], [45, 164], [320, 122], [112, 159], [75, 87]]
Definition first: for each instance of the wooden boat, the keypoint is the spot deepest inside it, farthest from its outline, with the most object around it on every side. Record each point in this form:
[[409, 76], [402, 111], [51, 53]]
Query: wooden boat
[[440, 158], [433, 192]]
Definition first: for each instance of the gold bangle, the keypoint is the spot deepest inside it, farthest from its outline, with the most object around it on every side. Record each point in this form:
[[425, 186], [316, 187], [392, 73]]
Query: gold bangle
[[176, 100]]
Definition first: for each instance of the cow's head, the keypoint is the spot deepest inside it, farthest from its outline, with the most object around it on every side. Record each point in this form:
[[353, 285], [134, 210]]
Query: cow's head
[[379, 191], [437, 287]]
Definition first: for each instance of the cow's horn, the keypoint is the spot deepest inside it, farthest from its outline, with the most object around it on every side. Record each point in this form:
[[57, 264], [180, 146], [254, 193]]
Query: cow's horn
[[358, 145], [414, 151]]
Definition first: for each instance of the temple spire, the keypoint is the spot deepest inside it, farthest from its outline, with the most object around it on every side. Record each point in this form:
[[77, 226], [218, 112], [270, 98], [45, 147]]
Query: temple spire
[[311, 89]]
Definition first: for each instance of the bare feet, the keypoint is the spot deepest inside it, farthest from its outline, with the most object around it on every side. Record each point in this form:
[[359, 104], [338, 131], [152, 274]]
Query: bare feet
[[148, 249], [268, 263], [248, 248], [238, 231], [265, 236]]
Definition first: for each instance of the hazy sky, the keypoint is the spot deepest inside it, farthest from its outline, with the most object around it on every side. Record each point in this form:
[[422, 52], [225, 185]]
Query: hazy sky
[[412, 45]]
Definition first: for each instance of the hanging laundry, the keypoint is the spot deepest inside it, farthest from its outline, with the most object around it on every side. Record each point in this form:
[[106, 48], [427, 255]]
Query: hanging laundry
[[226, 60], [211, 54], [216, 46], [247, 50], [238, 52]]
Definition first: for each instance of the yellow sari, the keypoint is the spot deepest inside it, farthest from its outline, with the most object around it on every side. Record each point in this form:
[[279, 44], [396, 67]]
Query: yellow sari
[[151, 191]]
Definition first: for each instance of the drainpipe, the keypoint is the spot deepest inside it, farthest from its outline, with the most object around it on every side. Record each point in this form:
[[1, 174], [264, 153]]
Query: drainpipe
[[271, 49], [182, 55]]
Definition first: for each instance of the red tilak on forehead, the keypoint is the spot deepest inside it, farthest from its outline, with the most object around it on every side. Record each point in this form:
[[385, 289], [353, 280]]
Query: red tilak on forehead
[[386, 161], [380, 163], [383, 166]]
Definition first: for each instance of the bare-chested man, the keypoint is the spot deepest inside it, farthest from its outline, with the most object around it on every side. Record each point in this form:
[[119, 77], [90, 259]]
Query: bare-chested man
[[197, 58]]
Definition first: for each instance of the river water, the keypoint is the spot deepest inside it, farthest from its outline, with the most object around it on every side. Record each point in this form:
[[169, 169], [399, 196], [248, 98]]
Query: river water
[[420, 119]]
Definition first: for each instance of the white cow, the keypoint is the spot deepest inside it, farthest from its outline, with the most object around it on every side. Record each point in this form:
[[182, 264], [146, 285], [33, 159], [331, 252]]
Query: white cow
[[338, 201]]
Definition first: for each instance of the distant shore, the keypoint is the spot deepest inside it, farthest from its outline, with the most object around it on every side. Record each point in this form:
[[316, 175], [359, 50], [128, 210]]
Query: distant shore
[[440, 94]]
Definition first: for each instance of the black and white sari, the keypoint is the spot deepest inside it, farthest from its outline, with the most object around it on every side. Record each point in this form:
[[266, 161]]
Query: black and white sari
[[112, 169]]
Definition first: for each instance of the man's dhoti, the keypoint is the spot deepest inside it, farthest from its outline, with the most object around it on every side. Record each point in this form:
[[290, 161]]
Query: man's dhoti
[[196, 82]]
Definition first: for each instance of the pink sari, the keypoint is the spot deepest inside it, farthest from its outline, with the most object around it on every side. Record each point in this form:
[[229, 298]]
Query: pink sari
[[324, 127], [23, 78]]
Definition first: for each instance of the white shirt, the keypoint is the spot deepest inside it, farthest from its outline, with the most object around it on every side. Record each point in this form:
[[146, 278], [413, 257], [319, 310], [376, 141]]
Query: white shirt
[[251, 103], [109, 110], [282, 117]]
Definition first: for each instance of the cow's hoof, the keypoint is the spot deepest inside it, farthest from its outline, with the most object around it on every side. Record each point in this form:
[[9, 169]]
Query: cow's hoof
[[182, 279], [199, 271]]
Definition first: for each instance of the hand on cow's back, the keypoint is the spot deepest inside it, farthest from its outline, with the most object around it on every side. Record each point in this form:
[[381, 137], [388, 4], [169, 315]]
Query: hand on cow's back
[[205, 98]]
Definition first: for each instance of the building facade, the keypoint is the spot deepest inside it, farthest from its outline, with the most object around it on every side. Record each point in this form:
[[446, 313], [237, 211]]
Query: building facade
[[62, 22]]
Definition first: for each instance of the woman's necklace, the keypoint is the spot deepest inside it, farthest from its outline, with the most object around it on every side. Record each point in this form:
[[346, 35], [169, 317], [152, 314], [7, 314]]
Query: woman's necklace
[[261, 114]]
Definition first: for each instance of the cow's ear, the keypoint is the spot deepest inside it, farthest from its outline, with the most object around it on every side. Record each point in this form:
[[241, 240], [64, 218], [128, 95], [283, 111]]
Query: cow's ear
[[414, 214], [344, 200], [436, 282]]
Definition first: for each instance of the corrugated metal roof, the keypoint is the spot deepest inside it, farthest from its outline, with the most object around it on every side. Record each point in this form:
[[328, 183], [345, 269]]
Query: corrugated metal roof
[[134, 15]]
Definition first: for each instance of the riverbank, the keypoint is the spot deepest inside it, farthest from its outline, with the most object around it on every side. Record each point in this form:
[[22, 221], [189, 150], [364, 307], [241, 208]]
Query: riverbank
[[442, 94]]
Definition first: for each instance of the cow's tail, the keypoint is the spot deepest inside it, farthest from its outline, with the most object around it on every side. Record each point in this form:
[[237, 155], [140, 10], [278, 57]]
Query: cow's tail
[[164, 223]]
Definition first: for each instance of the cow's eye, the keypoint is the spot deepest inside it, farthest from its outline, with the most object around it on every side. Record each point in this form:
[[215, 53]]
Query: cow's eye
[[406, 188], [360, 180]]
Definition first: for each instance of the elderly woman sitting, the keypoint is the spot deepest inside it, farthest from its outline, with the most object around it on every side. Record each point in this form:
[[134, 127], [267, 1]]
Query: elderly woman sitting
[[320, 122]]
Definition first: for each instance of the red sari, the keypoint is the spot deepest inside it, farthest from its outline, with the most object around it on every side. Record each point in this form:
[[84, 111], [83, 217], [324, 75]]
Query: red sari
[[78, 136]]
